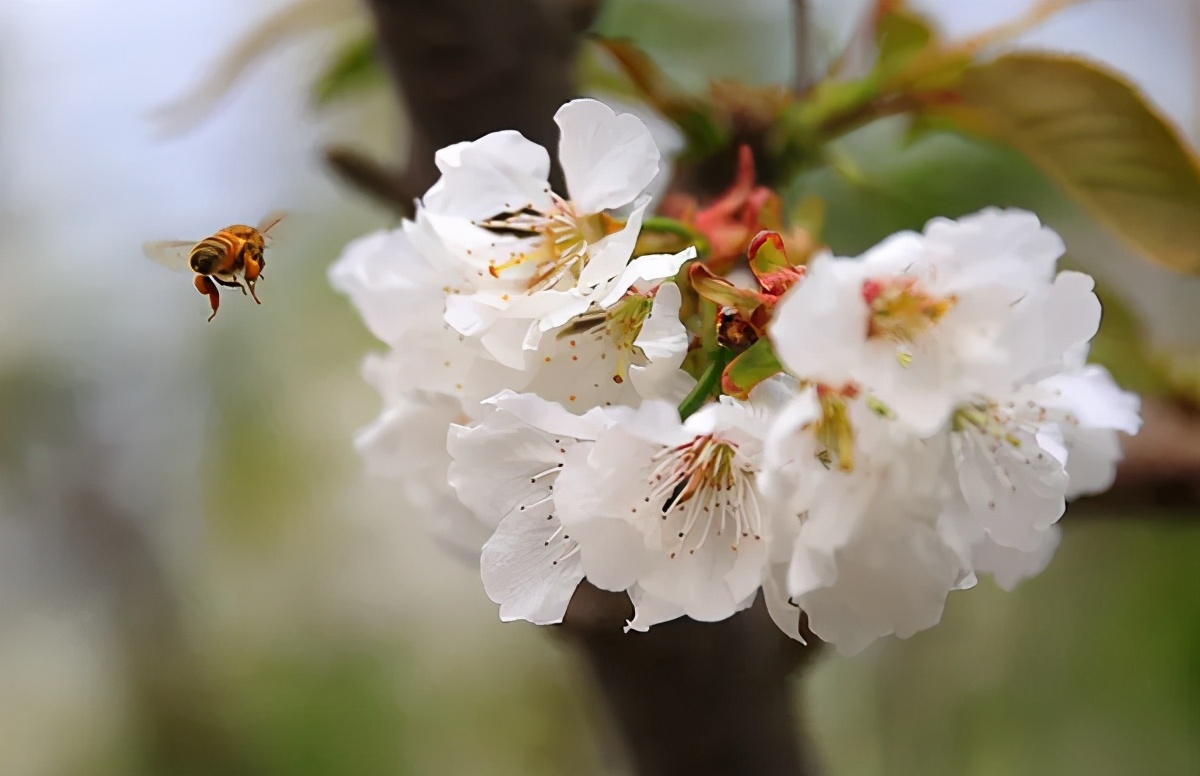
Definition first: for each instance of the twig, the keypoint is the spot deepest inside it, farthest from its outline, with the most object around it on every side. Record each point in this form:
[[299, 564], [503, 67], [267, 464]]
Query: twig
[[802, 46], [373, 179]]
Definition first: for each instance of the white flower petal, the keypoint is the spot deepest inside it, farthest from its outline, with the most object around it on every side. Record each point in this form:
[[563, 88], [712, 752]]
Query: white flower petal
[[1015, 491], [891, 577], [607, 158], [507, 147], [528, 571], [1094, 400], [1072, 313], [407, 443], [819, 328], [1010, 567], [548, 416], [645, 269], [664, 342], [649, 610], [500, 172], [1092, 458], [784, 613], [663, 336], [612, 553]]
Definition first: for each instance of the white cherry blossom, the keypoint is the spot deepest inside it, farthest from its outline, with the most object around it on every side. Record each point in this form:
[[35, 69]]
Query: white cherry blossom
[[619, 356], [504, 470], [538, 257], [858, 497], [872, 564], [399, 280], [1016, 457], [933, 418], [672, 507], [921, 321], [407, 443]]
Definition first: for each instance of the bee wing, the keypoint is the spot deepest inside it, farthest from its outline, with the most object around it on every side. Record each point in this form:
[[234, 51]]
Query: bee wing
[[172, 254], [269, 221]]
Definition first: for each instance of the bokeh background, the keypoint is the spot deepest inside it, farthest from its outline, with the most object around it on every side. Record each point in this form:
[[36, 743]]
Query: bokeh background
[[197, 578]]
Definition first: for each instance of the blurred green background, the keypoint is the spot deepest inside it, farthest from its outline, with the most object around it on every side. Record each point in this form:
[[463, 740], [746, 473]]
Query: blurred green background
[[195, 575]]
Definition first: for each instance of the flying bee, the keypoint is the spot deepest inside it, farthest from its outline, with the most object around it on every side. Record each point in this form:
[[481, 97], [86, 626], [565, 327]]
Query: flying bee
[[232, 257]]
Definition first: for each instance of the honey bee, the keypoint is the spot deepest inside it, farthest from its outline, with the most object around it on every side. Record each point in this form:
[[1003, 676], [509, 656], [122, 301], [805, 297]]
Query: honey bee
[[232, 257]]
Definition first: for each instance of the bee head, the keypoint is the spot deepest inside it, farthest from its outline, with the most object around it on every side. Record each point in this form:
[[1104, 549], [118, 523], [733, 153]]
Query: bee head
[[204, 260]]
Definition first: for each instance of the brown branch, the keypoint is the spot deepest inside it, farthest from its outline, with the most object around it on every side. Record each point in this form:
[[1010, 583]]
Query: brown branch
[[464, 68], [1166, 448], [1160, 468], [373, 179], [692, 698]]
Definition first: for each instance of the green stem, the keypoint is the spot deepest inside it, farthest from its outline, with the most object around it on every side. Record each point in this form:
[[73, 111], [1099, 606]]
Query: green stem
[[706, 386], [664, 225]]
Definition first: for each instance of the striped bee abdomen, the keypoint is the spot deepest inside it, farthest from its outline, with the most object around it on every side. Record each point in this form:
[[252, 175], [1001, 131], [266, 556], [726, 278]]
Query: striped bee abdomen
[[211, 254]]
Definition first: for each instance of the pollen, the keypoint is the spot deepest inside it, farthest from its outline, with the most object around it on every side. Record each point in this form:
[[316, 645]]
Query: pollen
[[706, 488], [901, 311], [833, 430], [558, 241]]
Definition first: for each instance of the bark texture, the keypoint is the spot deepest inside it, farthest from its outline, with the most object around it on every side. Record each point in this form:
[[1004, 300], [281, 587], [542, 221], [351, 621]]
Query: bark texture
[[696, 698], [464, 68]]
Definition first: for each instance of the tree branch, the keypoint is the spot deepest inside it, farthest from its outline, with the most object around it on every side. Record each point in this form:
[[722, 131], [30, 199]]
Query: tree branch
[[691, 697], [1161, 467], [464, 68]]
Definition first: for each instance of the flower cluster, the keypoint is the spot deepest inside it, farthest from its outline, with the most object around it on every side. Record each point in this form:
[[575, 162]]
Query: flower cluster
[[854, 437]]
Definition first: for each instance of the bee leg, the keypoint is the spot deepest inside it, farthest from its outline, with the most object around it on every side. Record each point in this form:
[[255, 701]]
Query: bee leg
[[205, 286], [252, 269], [232, 284]]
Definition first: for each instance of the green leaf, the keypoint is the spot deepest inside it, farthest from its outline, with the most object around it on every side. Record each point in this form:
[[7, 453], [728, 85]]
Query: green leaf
[[1096, 136], [900, 36], [750, 368], [354, 67]]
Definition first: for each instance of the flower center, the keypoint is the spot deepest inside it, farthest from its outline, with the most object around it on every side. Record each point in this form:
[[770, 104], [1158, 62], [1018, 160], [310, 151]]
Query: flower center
[[900, 310], [833, 430], [1008, 438], [620, 324], [562, 238], [987, 420], [623, 321], [706, 489]]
